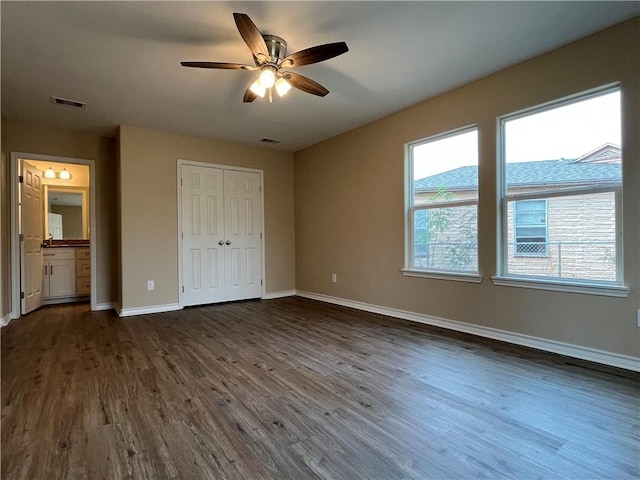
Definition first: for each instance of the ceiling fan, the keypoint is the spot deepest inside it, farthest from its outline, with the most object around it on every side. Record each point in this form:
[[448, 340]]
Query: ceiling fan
[[270, 58]]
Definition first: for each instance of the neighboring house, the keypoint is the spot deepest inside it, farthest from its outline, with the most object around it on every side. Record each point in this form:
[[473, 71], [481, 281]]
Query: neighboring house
[[562, 236]]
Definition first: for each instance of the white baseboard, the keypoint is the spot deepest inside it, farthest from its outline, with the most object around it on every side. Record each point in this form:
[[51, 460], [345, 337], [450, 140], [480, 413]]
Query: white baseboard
[[104, 306], [281, 294], [575, 351], [129, 312], [4, 321]]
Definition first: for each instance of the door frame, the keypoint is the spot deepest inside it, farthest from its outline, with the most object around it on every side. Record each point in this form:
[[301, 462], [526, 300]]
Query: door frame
[[15, 240], [180, 163]]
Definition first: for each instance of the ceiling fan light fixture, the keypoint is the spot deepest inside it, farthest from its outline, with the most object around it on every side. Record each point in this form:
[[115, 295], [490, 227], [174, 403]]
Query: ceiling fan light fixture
[[270, 57], [257, 88], [268, 76], [282, 86]]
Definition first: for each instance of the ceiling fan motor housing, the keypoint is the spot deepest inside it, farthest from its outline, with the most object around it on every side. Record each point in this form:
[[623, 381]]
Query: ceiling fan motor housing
[[277, 47]]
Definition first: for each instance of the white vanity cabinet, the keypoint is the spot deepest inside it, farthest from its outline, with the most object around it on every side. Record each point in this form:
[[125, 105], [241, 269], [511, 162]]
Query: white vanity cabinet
[[66, 274], [59, 272]]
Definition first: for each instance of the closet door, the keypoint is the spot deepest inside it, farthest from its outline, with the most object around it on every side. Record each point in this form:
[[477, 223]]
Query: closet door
[[202, 235], [243, 244], [221, 235]]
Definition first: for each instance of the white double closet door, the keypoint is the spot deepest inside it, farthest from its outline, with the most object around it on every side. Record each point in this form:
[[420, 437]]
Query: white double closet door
[[221, 235]]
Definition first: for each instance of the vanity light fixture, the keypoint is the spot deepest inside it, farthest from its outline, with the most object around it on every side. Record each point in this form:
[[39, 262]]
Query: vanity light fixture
[[63, 175]]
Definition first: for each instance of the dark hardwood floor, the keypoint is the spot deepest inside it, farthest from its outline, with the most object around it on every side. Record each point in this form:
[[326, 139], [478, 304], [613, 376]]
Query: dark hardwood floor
[[298, 389]]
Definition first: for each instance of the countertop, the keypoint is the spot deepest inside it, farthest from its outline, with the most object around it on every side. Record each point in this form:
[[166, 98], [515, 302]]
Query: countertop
[[65, 243]]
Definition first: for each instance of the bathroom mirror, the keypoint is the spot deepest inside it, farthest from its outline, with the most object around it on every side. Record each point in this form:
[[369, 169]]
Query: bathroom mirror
[[66, 213]]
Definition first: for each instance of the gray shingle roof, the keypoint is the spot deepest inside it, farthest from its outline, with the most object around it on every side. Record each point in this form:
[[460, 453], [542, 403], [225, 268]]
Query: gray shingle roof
[[546, 172]]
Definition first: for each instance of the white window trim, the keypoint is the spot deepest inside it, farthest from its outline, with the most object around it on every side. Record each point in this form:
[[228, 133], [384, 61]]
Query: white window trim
[[615, 289], [544, 283], [443, 275], [409, 208]]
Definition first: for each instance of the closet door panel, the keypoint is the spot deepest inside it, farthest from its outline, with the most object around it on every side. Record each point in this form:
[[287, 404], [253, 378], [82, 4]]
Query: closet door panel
[[203, 235]]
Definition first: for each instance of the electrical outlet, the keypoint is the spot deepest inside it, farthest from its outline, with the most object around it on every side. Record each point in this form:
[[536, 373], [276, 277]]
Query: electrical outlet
[[150, 285], [334, 278]]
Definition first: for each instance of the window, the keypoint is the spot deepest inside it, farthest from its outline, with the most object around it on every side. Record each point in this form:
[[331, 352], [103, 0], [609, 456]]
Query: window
[[561, 192], [442, 199], [530, 225]]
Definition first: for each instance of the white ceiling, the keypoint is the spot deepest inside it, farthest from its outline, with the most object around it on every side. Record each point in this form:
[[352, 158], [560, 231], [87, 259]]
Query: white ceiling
[[122, 59]]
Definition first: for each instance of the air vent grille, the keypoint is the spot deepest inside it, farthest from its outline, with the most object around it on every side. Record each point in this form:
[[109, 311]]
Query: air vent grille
[[67, 102], [269, 140]]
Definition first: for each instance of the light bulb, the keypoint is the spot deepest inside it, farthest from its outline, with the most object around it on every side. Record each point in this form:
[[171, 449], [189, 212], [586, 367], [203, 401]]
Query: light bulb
[[257, 88], [267, 77], [49, 173], [282, 87], [64, 174]]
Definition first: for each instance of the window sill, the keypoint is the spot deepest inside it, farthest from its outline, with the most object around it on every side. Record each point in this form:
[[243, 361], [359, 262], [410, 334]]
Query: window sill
[[456, 277], [562, 286]]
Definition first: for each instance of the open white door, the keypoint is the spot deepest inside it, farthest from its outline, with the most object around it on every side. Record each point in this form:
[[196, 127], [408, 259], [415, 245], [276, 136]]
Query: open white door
[[31, 211], [54, 226]]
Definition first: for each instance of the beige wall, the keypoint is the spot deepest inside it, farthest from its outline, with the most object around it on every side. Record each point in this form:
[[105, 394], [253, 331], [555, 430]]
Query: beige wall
[[349, 202], [5, 240], [149, 213], [62, 143]]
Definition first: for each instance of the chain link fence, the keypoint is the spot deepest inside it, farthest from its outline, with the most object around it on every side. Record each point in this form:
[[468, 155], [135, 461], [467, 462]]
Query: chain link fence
[[579, 260]]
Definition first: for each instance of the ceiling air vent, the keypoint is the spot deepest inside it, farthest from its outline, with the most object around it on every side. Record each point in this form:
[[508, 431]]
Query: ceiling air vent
[[269, 140], [67, 102]]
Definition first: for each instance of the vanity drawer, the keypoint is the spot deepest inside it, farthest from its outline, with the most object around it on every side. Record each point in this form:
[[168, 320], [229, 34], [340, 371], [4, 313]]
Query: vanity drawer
[[59, 254], [83, 286], [83, 267], [83, 253]]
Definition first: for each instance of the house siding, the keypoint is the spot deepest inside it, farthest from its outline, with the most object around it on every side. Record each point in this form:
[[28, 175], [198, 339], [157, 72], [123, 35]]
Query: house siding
[[581, 234]]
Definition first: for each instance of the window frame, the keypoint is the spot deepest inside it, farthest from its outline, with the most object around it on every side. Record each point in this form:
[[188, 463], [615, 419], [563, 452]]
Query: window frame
[[504, 278], [410, 209]]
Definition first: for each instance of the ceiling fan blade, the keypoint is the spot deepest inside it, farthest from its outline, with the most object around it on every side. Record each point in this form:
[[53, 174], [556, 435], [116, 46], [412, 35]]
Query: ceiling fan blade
[[251, 35], [249, 96], [221, 65], [305, 84], [315, 54]]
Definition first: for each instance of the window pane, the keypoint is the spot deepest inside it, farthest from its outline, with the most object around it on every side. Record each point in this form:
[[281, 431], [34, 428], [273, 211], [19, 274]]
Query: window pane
[[567, 146], [420, 233], [530, 218], [580, 240], [570, 148], [446, 239], [530, 227], [445, 168]]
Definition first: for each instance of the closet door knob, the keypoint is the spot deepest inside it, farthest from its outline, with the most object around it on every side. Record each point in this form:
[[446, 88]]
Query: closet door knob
[[220, 242], [228, 242]]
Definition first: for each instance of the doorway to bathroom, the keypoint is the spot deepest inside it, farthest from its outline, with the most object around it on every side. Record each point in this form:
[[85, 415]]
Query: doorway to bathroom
[[53, 224]]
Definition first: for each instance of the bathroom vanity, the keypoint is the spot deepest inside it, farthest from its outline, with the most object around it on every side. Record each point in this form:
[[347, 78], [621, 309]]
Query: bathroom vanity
[[67, 272]]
